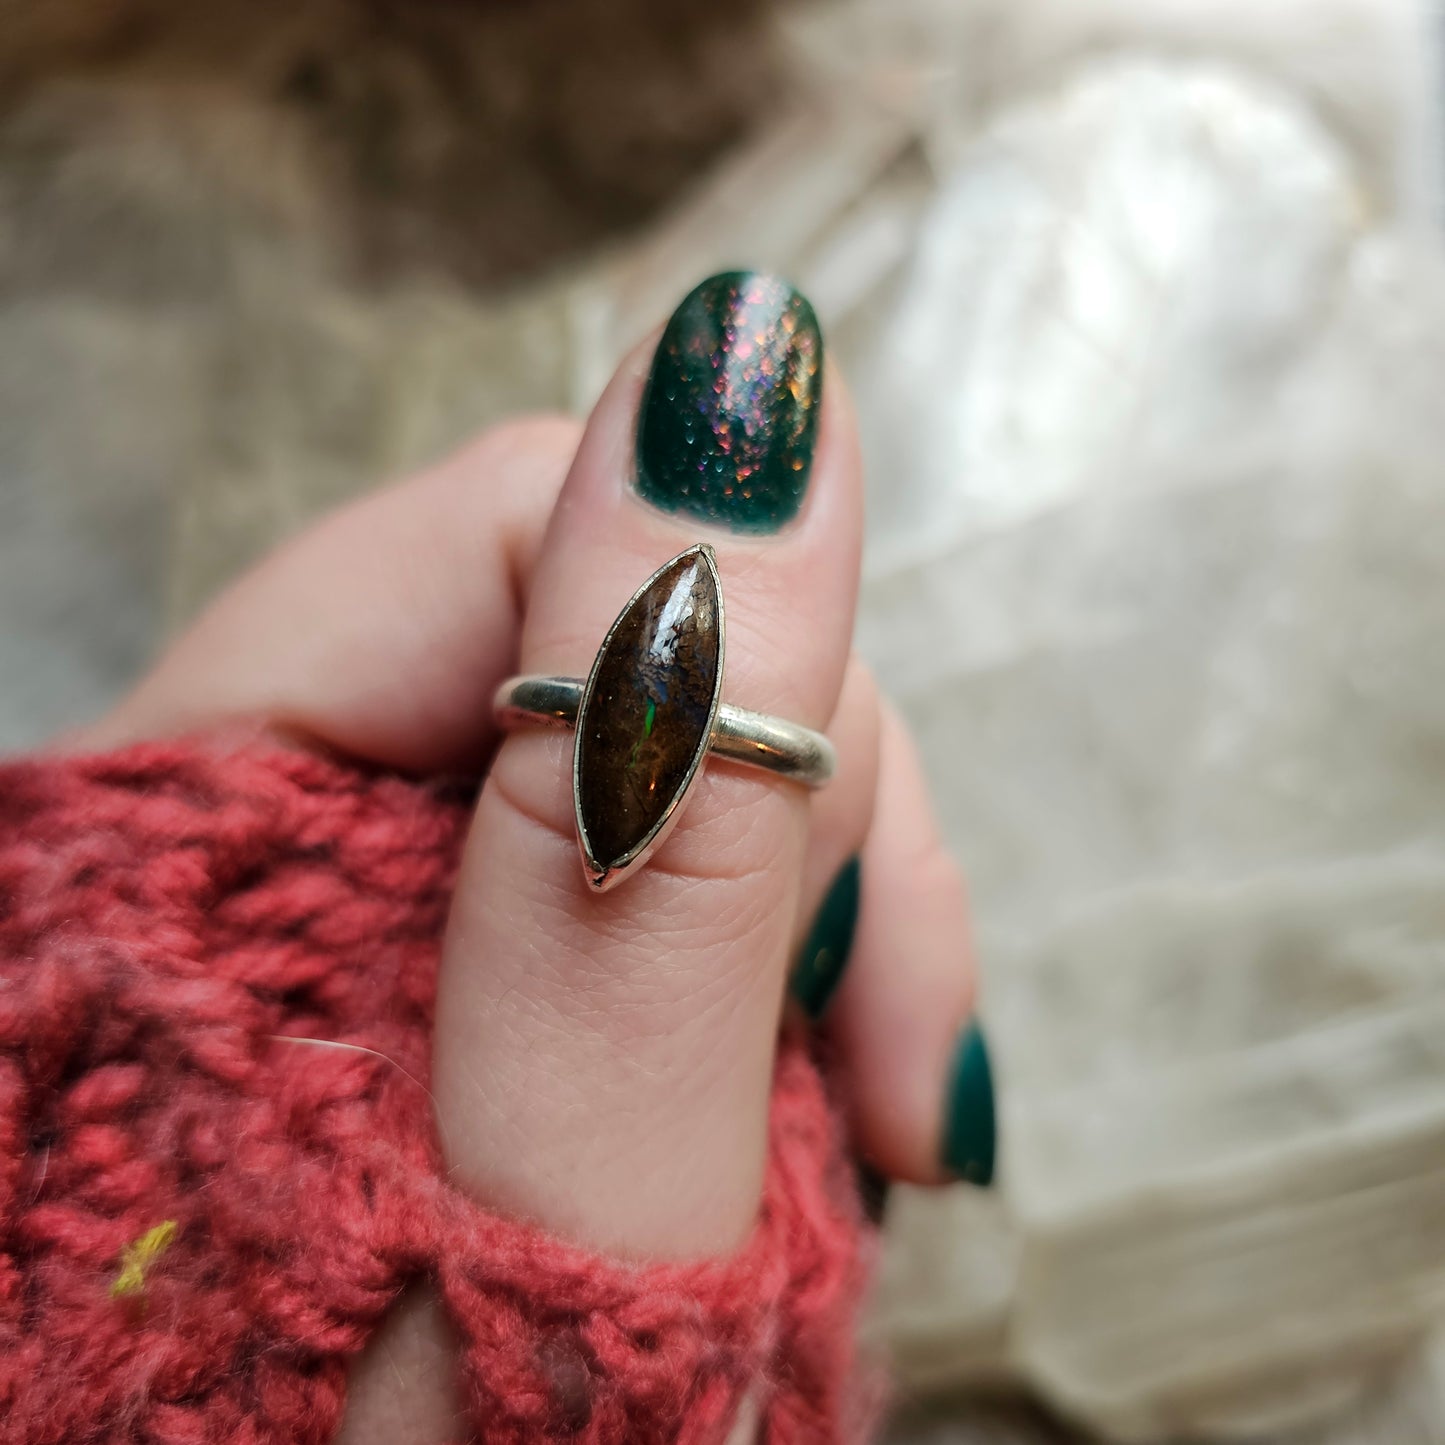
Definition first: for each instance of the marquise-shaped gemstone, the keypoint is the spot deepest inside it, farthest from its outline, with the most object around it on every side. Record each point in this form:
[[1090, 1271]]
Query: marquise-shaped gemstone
[[647, 713]]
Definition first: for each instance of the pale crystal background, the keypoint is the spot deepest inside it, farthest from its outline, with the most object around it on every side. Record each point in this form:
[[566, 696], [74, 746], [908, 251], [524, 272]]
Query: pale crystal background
[[1144, 307]]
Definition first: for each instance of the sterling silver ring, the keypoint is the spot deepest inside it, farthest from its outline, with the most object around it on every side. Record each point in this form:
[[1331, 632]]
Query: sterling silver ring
[[649, 712]]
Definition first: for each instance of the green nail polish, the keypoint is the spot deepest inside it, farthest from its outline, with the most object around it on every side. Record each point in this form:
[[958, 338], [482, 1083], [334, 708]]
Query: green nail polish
[[969, 1130], [873, 1191], [730, 412], [825, 951]]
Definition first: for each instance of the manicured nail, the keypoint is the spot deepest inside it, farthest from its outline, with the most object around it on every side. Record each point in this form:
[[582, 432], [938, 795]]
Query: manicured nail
[[873, 1191], [730, 412], [969, 1130], [825, 951]]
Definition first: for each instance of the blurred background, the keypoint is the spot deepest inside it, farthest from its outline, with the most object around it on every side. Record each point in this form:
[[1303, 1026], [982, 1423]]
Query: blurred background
[[1143, 303]]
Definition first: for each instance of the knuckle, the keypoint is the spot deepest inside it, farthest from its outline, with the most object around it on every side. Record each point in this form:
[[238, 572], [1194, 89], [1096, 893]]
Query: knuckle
[[732, 832]]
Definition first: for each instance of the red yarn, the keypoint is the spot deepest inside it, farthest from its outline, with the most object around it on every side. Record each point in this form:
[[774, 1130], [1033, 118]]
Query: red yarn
[[172, 920]]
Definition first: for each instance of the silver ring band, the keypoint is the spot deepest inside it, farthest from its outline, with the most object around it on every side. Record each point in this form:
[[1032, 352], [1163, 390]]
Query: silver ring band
[[648, 715], [787, 749]]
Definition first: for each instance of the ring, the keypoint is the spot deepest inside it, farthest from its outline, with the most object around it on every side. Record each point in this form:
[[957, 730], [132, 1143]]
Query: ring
[[649, 712]]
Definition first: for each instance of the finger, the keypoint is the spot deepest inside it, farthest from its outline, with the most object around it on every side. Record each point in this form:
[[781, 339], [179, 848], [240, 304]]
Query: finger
[[603, 1061], [913, 1060], [383, 631]]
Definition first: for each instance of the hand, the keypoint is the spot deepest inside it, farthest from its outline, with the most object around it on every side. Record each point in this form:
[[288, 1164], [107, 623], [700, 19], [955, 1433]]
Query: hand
[[602, 1063]]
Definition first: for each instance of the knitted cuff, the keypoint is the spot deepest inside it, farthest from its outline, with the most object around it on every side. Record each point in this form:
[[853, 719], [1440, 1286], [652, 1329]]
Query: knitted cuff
[[217, 1160]]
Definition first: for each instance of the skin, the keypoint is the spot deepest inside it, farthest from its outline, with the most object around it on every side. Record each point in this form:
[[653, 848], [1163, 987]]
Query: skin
[[563, 1018]]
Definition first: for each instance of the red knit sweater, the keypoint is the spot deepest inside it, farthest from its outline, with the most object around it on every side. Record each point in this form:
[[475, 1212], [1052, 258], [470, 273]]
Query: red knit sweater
[[206, 1206]]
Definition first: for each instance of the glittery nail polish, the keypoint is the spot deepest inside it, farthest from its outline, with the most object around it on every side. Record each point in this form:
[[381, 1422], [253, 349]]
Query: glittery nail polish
[[730, 412], [824, 953], [969, 1127]]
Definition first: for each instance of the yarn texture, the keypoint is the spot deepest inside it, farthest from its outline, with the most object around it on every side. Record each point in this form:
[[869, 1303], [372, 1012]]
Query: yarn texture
[[218, 1165]]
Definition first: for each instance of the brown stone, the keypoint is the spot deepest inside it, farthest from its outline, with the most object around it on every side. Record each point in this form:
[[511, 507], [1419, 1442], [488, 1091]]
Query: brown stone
[[648, 713]]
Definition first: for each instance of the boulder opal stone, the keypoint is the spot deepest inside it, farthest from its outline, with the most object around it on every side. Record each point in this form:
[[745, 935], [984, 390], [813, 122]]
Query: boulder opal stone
[[647, 714]]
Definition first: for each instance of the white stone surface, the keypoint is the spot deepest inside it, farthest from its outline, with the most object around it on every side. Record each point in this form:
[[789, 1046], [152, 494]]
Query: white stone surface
[[1174, 477]]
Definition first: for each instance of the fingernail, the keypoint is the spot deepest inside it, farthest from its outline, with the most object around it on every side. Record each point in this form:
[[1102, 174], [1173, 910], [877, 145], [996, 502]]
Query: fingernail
[[873, 1191], [825, 951], [969, 1130], [730, 412]]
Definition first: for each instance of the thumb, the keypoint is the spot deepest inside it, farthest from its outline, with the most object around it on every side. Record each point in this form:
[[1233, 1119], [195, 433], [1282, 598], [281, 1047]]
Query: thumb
[[603, 1061]]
